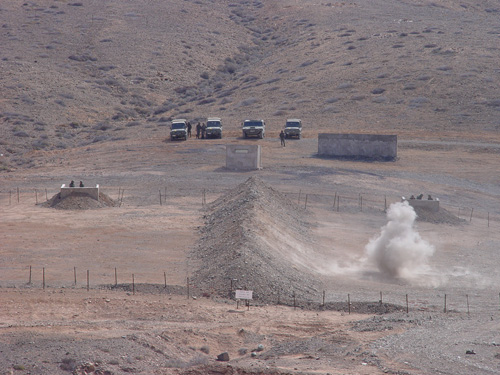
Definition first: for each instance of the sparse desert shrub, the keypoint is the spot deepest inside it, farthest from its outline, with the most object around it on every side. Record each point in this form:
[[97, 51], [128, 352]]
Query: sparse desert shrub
[[378, 91], [206, 101], [204, 75], [409, 86], [307, 63], [332, 100], [107, 68], [133, 123], [298, 78], [271, 80], [424, 78], [82, 58], [242, 351], [493, 103], [205, 349], [380, 99], [418, 102], [358, 97], [345, 85], [248, 102], [68, 364], [113, 362], [444, 68], [103, 126], [229, 68], [21, 134], [279, 112], [100, 138]]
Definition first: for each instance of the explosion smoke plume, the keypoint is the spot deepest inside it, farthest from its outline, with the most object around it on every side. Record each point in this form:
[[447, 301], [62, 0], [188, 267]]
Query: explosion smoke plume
[[399, 251]]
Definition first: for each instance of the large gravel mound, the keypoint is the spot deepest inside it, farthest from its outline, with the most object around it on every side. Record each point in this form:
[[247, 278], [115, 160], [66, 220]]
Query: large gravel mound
[[257, 236], [78, 201]]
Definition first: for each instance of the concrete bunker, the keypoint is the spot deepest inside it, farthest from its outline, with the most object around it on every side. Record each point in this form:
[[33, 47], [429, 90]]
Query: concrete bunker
[[92, 192], [369, 146], [243, 157], [420, 202]]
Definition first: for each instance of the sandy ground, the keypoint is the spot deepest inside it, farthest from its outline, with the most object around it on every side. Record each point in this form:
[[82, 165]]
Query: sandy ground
[[161, 331]]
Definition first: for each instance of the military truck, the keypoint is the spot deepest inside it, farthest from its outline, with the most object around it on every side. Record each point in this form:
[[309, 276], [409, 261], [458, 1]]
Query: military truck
[[293, 128], [254, 128], [178, 129], [214, 127]]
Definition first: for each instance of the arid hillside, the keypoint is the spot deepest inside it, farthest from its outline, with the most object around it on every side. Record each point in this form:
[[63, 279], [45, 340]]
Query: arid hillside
[[347, 279], [77, 73]]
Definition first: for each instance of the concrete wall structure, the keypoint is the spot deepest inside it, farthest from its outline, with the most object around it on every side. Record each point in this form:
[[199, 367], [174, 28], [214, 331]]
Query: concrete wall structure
[[92, 192], [243, 157], [426, 204], [358, 145]]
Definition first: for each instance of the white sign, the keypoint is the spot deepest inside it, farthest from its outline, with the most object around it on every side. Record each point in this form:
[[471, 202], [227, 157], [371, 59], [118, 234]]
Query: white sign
[[244, 294]]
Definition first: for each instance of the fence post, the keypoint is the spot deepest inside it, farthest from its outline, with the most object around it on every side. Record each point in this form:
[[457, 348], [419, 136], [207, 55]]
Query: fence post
[[165, 278], [88, 280], [305, 205], [471, 212], [74, 273], [43, 278], [323, 298], [468, 311], [160, 197], [116, 278], [407, 309], [17, 195], [133, 284], [334, 200], [29, 282], [300, 191], [444, 303], [349, 303]]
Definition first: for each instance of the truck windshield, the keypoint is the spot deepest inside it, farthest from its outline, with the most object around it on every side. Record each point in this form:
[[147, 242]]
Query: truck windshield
[[178, 125], [213, 124], [252, 123], [293, 125]]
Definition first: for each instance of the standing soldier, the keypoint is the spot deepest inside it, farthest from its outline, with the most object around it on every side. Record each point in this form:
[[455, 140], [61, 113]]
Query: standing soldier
[[203, 130], [198, 130], [282, 137], [189, 129]]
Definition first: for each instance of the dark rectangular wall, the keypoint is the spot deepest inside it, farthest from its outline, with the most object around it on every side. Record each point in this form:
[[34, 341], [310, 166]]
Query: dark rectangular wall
[[358, 145]]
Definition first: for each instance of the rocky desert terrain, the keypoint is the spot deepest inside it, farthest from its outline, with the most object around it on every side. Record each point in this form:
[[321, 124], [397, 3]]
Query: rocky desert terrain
[[144, 280]]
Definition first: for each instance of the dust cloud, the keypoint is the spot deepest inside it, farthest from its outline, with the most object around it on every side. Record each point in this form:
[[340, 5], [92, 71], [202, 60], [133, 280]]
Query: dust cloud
[[399, 251]]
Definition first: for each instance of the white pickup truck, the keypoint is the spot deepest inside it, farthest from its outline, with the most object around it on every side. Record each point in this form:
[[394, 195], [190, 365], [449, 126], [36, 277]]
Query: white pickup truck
[[254, 128]]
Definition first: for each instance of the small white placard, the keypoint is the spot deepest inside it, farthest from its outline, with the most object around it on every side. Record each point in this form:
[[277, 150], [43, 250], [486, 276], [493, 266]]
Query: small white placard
[[240, 151], [244, 294]]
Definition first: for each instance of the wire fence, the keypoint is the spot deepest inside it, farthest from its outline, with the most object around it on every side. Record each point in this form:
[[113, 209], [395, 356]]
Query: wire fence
[[337, 201], [362, 301]]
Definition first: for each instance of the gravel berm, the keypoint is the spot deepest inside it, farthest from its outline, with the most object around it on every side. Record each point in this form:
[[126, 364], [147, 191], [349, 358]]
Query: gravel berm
[[259, 239]]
